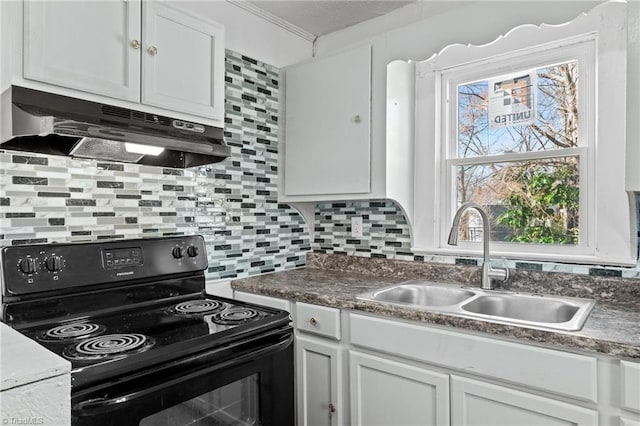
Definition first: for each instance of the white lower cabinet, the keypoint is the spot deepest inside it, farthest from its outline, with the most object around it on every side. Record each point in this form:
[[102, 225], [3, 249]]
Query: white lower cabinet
[[630, 384], [367, 370], [319, 380], [386, 392], [45, 402], [483, 404]]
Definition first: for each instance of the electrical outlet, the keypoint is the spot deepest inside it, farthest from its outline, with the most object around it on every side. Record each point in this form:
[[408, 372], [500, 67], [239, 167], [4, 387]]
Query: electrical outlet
[[356, 226]]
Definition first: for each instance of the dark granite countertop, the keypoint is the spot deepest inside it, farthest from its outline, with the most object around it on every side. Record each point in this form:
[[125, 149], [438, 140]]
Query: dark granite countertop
[[611, 329]]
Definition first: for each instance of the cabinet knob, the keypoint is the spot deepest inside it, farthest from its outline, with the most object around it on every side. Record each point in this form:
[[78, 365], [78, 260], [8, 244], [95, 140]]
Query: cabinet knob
[[153, 51], [357, 119], [313, 322], [332, 408], [135, 44]]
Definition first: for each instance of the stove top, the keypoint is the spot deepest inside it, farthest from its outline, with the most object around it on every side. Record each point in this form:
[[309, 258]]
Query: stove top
[[147, 332], [108, 345], [114, 342], [107, 329], [197, 307]]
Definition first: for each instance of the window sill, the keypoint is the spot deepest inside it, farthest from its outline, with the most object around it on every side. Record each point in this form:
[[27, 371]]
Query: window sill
[[540, 257]]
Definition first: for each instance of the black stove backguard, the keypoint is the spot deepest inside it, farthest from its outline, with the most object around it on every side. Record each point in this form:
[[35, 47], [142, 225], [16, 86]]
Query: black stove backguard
[[148, 345], [36, 270]]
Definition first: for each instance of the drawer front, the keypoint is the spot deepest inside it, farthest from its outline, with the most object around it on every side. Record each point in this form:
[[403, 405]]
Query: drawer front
[[319, 320], [258, 299], [550, 370], [630, 379]]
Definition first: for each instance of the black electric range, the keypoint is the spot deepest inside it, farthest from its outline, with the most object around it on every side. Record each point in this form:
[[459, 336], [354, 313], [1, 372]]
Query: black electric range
[[133, 318]]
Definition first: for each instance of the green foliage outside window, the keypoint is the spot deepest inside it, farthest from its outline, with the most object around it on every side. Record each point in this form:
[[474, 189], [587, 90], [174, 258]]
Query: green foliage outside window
[[543, 211]]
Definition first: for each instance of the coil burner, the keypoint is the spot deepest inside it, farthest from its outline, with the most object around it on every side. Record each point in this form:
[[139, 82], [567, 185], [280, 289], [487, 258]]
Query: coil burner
[[72, 331], [108, 345], [235, 315], [197, 307]]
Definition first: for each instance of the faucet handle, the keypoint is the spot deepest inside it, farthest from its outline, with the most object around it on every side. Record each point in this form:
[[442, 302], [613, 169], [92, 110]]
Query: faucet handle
[[499, 273]]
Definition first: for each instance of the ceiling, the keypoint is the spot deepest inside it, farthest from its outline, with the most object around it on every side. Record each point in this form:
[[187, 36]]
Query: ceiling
[[320, 17]]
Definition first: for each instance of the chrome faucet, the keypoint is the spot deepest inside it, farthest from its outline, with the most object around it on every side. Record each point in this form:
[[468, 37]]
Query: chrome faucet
[[488, 272]]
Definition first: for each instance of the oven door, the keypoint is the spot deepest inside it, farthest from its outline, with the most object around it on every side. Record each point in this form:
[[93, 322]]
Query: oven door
[[246, 383]]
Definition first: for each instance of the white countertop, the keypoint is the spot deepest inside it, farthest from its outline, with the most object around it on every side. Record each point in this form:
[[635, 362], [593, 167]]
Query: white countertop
[[23, 361]]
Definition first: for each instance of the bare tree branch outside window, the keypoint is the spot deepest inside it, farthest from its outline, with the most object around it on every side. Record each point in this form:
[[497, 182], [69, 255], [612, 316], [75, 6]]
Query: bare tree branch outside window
[[535, 201]]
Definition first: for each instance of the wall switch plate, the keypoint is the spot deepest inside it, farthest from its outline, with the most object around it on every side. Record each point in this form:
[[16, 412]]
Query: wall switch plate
[[356, 226]]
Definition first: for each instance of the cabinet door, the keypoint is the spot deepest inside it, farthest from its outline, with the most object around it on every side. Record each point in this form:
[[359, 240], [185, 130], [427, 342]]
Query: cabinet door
[[478, 403], [88, 46], [385, 392], [182, 61], [327, 125], [319, 381], [630, 380]]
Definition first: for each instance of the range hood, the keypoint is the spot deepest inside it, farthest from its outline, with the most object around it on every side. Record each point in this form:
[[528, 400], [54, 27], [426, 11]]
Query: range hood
[[47, 123]]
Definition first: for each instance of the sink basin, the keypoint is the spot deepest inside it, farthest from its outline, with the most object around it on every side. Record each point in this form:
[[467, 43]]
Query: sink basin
[[554, 312], [420, 293], [526, 308]]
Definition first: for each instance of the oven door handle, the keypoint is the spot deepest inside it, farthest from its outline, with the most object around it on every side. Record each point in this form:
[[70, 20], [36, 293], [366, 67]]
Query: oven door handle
[[101, 405]]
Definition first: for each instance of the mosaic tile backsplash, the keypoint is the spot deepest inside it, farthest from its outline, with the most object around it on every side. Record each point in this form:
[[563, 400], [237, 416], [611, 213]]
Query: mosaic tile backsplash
[[233, 204], [386, 235]]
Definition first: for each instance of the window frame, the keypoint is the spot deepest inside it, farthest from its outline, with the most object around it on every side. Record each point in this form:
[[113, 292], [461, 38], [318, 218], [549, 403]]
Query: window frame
[[580, 49], [610, 220]]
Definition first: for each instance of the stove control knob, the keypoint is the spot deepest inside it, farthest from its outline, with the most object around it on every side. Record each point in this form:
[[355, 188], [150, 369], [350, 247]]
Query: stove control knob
[[53, 263], [192, 251], [28, 265], [177, 253]]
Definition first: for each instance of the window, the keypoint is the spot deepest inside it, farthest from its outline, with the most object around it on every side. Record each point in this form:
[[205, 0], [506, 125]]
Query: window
[[532, 128], [515, 144]]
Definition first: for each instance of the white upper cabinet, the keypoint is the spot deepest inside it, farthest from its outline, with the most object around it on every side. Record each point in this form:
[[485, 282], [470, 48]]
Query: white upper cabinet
[[328, 105], [182, 61], [330, 148], [143, 52], [327, 125], [84, 46]]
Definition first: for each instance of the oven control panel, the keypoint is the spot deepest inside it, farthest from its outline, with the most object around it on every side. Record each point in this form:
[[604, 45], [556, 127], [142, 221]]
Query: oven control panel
[[122, 258], [46, 267]]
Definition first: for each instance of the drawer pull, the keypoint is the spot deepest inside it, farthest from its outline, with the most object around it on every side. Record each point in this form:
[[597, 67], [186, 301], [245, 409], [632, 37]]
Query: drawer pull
[[313, 322]]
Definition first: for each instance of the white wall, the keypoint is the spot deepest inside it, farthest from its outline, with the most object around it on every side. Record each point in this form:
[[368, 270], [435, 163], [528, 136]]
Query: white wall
[[633, 97], [405, 34], [252, 36]]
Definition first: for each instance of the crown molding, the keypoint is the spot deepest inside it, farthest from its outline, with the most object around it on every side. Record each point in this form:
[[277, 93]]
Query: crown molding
[[251, 8]]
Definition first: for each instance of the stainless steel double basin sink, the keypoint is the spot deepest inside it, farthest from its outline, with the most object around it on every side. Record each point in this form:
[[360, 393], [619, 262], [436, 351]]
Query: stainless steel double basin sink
[[539, 311]]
